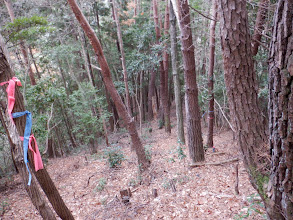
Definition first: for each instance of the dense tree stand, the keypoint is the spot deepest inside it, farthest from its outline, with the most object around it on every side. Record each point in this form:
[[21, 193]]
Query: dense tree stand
[[143, 162]]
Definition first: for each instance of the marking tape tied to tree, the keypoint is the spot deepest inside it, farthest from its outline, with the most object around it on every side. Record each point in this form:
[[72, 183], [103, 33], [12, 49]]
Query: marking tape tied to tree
[[10, 93], [28, 137]]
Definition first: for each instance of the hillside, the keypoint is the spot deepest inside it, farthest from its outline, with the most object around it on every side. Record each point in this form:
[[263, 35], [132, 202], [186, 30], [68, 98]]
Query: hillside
[[91, 189]]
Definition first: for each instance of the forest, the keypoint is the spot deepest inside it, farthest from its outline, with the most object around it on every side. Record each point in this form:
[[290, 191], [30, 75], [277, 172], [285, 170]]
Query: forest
[[146, 109]]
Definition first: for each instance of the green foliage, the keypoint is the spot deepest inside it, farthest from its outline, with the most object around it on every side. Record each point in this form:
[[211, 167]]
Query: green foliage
[[101, 185], [180, 179], [27, 28], [180, 151], [84, 104], [171, 159], [261, 181], [148, 151], [4, 207], [114, 156], [255, 208], [161, 124]]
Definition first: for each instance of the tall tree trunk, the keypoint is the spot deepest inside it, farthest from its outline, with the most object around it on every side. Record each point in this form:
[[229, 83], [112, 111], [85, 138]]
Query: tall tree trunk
[[142, 160], [151, 94], [259, 25], [281, 113], [166, 105], [122, 56], [92, 81], [163, 85], [22, 44], [177, 86], [194, 134], [211, 115], [33, 191], [242, 91], [34, 62], [42, 175]]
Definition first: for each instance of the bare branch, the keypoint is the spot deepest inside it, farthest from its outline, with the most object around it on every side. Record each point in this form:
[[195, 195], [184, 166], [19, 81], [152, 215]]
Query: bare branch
[[199, 12]]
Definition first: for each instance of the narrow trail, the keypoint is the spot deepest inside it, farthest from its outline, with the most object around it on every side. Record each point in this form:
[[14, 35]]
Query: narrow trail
[[91, 189]]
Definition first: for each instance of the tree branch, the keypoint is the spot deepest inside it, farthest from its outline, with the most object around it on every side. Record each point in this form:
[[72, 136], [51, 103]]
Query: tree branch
[[199, 12]]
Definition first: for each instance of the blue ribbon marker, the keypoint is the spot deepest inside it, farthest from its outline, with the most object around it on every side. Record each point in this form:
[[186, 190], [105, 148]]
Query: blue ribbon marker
[[27, 133]]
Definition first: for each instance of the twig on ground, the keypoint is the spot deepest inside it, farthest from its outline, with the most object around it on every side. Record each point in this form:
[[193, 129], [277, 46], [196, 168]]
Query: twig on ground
[[213, 163]]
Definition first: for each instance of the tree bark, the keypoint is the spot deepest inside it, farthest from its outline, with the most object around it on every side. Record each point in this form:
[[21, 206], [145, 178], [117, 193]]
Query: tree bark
[[142, 160], [242, 91], [194, 134], [211, 115], [177, 86], [33, 191], [281, 113], [42, 175], [259, 25]]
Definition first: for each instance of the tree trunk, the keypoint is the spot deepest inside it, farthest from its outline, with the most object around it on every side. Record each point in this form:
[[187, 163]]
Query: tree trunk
[[42, 176], [151, 94], [259, 25], [166, 105], [68, 126], [177, 86], [242, 91], [194, 134], [34, 62], [92, 81], [122, 56], [163, 85], [211, 115], [142, 160], [281, 113], [33, 191], [22, 44]]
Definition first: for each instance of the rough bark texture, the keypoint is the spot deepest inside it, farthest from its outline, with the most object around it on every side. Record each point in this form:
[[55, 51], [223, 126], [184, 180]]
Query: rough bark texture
[[177, 86], [13, 135], [194, 134], [281, 113], [210, 139], [259, 25], [22, 44], [142, 160], [242, 91]]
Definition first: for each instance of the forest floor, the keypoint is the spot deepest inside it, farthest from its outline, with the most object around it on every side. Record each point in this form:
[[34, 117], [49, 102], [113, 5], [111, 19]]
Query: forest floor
[[91, 189]]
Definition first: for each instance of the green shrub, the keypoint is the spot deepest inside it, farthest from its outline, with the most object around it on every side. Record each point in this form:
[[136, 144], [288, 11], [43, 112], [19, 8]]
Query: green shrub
[[148, 151], [114, 156], [101, 185], [180, 152], [4, 207]]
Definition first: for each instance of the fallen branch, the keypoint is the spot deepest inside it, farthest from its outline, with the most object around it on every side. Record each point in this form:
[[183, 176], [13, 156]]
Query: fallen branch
[[217, 153], [213, 163], [224, 115]]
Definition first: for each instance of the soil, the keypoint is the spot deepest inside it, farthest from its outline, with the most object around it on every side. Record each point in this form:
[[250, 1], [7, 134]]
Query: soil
[[91, 189]]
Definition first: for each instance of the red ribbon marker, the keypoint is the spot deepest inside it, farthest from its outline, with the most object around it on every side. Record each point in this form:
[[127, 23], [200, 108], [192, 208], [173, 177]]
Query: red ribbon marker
[[37, 156], [10, 93]]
